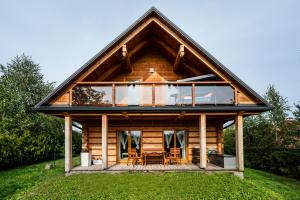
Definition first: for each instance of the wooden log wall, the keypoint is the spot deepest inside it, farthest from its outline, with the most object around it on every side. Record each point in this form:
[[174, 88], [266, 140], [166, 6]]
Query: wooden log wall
[[152, 138]]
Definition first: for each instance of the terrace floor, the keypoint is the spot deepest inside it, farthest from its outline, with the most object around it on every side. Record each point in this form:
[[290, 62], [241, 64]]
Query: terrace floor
[[150, 167]]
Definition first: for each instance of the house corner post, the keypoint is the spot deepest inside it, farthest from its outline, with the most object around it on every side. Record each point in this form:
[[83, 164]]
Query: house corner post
[[239, 142], [202, 129], [68, 143], [104, 141]]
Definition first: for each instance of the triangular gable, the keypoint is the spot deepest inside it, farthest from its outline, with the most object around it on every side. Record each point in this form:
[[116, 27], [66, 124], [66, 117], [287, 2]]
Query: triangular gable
[[183, 38]]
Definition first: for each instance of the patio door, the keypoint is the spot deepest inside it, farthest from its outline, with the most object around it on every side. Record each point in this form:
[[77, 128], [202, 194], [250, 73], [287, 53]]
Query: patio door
[[175, 140], [128, 141]]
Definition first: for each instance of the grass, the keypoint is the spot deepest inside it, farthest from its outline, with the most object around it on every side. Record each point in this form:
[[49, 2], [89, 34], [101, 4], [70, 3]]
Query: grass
[[34, 182]]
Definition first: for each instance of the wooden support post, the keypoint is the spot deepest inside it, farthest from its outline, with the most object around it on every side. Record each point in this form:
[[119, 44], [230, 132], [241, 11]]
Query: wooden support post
[[68, 143], [239, 142], [202, 129], [104, 141]]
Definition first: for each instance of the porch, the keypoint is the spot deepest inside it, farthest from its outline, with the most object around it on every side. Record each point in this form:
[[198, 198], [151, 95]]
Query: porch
[[186, 139]]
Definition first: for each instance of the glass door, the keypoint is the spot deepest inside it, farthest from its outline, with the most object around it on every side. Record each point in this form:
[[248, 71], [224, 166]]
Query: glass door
[[175, 141], [129, 142], [135, 144], [123, 144]]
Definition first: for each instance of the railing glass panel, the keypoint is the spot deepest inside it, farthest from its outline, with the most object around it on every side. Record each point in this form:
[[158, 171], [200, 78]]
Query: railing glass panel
[[214, 95], [166, 95], [92, 95], [133, 95]]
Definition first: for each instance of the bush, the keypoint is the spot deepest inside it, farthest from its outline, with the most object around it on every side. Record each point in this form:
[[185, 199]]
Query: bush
[[280, 161]]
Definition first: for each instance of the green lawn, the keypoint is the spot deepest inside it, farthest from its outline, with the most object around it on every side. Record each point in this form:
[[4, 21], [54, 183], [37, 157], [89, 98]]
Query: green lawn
[[34, 182]]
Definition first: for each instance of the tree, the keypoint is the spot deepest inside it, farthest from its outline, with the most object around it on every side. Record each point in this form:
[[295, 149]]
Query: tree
[[25, 135], [21, 87], [296, 112], [279, 113]]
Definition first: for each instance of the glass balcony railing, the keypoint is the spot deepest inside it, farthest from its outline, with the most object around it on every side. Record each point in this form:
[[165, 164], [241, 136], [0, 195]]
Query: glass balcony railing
[[92, 95], [214, 95], [152, 94]]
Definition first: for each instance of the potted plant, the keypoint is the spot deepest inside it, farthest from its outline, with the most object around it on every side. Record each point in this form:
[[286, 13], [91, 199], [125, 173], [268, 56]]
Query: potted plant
[[85, 158], [97, 161]]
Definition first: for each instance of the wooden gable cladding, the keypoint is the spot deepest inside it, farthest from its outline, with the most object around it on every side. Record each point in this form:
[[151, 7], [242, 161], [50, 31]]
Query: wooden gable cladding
[[243, 98], [62, 99], [154, 31], [150, 58]]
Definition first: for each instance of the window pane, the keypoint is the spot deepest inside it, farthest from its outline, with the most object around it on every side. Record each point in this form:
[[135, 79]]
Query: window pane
[[181, 143], [136, 141], [169, 140], [123, 144], [93, 95]]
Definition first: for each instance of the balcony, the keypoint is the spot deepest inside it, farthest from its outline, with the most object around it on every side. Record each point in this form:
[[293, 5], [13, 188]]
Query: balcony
[[152, 94]]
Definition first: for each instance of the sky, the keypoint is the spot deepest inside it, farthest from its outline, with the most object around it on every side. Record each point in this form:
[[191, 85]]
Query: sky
[[259, 41]]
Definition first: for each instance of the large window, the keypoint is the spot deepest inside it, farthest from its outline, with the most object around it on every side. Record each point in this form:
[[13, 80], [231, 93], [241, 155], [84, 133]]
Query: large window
[[129, 141], [175, 141]]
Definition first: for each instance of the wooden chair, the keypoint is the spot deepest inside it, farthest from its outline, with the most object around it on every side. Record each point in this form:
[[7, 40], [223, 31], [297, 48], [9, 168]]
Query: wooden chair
[[167, 159], [131, 156], [174, 155], [139, 159]]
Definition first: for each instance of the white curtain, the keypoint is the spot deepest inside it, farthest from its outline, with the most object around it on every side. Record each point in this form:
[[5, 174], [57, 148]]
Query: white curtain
[[136, 138], [168, 138], [181, 138], [123, 140]]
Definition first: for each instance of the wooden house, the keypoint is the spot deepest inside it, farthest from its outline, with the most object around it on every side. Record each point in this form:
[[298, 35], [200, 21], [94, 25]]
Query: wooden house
[[153, 89]]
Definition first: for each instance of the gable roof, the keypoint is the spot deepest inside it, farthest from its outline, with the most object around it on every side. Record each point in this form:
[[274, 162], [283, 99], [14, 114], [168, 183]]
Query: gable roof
[[150, 13]]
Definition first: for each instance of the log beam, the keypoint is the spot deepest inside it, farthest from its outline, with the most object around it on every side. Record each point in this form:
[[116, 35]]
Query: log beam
[[239, 142], [180, 115], [179, 56], [68, 143], [202, 129], [125, 115], [126, 58], [104, 141]]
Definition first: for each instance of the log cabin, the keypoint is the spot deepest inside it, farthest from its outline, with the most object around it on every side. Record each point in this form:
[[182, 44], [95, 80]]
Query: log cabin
[[151, 92]]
